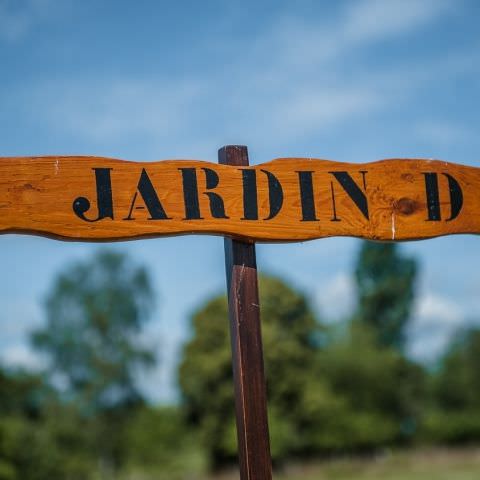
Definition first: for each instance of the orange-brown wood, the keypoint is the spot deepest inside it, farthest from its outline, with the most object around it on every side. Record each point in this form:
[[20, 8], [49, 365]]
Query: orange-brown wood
[[294, 199]]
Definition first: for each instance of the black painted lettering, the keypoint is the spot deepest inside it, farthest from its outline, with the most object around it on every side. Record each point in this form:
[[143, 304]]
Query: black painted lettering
[[250, 201], [352, 190], [433, 197], [334, 205], [456, 197], [275, 195], [250, 196], [103, 182], [150, 198], [190, 194], [307, 200], [217, 208]]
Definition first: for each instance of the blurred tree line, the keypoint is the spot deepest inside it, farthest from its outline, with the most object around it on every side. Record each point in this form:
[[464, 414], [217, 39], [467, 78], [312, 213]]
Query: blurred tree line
[[347, 387]]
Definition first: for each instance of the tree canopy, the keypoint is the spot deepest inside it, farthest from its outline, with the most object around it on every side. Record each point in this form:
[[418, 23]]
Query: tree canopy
[[290, 335], [385, 282], [95, 312]]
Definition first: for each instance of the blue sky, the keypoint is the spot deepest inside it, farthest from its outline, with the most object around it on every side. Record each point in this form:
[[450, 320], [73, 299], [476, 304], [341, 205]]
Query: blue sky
[[349, 80]]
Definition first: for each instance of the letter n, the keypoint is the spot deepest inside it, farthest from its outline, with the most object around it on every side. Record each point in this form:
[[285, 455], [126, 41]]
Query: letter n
[[353, 191]]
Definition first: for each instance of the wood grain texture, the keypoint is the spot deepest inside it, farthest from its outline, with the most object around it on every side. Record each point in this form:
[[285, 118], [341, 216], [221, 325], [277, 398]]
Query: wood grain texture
[[290, 199], [247, 355]]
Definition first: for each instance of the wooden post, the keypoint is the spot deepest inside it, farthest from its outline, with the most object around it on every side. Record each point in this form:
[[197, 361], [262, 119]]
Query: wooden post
[[247, 356]]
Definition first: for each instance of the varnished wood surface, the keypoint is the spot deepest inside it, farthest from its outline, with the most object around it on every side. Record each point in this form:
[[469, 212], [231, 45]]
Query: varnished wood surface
[[247, 355], [397, 199]]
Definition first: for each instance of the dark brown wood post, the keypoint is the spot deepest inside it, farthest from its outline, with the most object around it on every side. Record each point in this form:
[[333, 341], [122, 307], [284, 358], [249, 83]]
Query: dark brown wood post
[[247, 354]]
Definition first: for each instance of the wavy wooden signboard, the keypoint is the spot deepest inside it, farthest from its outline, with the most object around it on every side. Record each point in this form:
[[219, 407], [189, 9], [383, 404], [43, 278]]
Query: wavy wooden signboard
[[288, 199]]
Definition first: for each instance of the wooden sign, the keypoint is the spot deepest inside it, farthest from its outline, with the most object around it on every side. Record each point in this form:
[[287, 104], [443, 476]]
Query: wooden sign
[[289, 199]]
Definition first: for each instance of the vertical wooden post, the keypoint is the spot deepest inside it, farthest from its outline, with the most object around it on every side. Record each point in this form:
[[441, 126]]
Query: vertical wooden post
[[247, 355]]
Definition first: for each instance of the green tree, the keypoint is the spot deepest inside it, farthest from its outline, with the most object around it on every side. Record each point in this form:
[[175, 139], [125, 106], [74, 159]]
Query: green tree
[[290, 339], [454, 416], [23, 393], [33, 444], [95, 313], [374, 395], [160, 443], [385, 281]]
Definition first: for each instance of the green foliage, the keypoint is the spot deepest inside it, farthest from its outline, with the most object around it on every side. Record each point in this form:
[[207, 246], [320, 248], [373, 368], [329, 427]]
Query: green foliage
[[95, 312], [385, 282], [346, 389], [28, 450], [160, 442], [22, 393], [289, 334], [455, 413], [205, 378], [25, 451], [457, 383], [50, 447], [374, 395], [458, 427], [327, 393]]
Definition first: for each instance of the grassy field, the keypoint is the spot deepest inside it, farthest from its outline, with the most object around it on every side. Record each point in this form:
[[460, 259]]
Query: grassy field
[[435, 464]]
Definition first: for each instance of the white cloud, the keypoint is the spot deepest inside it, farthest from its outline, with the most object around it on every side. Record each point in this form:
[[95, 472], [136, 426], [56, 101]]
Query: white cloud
[[108, 110], [20, 355], [375, 20], [433, 309], [18, 17], [291, 83], [336, 297], [444, 132], [159, 382], [301, 42], [19, 317], [297, 67], [309, 111], [435, 320]]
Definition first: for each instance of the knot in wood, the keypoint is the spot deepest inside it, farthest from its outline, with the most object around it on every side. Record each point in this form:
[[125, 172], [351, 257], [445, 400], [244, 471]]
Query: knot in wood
[[405, 206]]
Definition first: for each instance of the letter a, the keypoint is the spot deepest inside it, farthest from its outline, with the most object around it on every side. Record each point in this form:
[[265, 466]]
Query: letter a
[[150, 197]]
